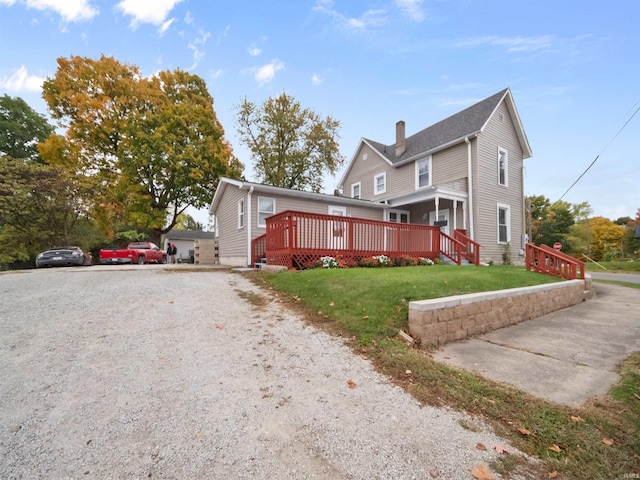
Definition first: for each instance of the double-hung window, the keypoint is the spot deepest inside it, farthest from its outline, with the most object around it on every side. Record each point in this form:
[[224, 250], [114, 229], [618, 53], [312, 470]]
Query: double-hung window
[[355, 190], [504, 223], [266, 208], [503, 167], [380, 183], [241, 213], [423, 173]]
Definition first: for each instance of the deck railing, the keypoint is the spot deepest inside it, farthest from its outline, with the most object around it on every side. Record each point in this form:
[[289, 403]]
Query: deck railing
[[258, 249], [297, 239], [547, 260]]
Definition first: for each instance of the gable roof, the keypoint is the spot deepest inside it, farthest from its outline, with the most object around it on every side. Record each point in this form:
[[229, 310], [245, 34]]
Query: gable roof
[[452, 130], [189, 234], [286, 192]]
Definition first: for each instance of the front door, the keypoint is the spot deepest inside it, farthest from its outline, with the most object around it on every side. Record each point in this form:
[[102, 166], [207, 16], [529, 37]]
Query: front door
[[443, 216], [337, 229]]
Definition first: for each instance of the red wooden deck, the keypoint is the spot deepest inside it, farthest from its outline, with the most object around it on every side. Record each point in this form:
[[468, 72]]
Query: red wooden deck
[[298, 239]]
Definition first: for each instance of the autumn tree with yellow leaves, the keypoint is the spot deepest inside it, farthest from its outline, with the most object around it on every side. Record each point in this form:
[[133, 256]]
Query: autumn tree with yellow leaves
[[146, 148]]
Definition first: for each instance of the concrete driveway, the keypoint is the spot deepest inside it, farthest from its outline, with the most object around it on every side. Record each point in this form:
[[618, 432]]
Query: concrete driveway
[[567, 356]]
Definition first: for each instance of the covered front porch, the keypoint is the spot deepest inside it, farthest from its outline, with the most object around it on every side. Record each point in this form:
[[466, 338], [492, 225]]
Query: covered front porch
[[443, 207], [297, 239]]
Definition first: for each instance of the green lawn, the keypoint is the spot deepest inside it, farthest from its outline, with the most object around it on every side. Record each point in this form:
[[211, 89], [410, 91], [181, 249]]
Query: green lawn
[[369, 306]]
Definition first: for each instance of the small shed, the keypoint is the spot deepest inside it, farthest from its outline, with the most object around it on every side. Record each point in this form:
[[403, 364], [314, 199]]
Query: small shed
[[185, 241]]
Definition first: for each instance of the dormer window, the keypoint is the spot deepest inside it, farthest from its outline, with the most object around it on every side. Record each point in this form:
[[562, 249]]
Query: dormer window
[[423, 173]]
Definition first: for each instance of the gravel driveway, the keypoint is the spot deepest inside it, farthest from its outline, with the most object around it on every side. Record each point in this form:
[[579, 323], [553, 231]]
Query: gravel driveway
[[156, 373]]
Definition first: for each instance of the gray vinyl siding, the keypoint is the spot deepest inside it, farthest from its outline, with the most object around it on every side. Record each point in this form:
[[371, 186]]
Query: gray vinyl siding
[[232, 241], [488, 193], [450, 165], [364, 171], [309, 206]]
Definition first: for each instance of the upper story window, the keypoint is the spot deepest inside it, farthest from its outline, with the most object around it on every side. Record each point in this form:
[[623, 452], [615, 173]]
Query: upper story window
[[423, 173], [380, 183], [266, 208], [504, 223], [355, 190], [241, 213], [503, 167]]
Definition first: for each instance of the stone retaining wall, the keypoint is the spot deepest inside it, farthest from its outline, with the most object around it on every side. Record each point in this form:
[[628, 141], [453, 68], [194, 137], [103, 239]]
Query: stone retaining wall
[[449, 319]]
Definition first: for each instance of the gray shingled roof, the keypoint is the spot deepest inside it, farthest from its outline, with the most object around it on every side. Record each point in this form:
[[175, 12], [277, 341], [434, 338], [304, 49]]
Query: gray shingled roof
[[457, 126], [190, 235]]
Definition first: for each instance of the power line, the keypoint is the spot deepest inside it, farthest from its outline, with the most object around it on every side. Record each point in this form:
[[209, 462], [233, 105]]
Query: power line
[[598, 156]]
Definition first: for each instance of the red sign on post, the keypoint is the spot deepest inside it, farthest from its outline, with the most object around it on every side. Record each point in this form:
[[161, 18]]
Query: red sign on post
[[557, 246]]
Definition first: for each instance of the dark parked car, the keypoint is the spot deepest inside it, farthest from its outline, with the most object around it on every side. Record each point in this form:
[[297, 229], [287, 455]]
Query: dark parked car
[[63, 257]]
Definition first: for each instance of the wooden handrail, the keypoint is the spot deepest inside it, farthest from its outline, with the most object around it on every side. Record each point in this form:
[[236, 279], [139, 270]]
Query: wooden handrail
[[547, 260], [472, 248]]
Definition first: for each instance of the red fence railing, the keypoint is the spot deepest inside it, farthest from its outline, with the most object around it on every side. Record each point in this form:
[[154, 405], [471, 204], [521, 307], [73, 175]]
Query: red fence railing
[[297, 239], [544, 259]]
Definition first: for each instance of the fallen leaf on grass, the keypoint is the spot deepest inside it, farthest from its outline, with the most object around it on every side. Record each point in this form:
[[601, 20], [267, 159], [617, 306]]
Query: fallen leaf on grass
[[331, 304], [607, 441], [351, 384], [553, 474], [576, 419], [555, 448], [499, 448], [482, 473], [365, 317], [398, 308], [524, 431], [480, 446]]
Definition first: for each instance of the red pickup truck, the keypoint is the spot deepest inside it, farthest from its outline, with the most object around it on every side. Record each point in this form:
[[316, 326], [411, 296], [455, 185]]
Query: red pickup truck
[[136, 252]]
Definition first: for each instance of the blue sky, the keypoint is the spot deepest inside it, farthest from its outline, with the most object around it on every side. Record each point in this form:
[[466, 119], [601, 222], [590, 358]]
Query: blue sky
[[573, 67]]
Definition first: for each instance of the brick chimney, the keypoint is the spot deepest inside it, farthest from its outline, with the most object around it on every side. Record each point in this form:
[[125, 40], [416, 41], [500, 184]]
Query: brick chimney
[[400, 139]]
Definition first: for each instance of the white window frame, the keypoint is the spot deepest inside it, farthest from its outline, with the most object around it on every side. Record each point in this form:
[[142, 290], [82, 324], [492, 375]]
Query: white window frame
[[241, 213], [357, 185], [428, 161], [398, 214], [261, 212], [382, 175], [507, 208], [503, 151]]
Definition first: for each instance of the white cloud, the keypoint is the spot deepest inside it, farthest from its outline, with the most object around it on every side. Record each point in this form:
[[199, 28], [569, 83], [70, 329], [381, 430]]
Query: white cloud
[[154, 12], [217, 74], [254, 51], [512, 44], [198, 48], [165, 26], [266, 73], [69, 10], [188, 18], [370, 18], [411, 8], [317, 79], [21, 81]]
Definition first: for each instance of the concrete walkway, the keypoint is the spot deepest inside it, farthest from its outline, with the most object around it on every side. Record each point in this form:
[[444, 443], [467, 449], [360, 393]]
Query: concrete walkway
[[567, 356]]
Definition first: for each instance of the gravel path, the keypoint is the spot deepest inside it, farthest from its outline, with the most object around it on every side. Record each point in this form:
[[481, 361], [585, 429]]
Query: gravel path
[[152, 373]]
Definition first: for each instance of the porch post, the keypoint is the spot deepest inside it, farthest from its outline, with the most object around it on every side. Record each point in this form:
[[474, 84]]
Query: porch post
[[437, 202], [464, 214], [455, 216]]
